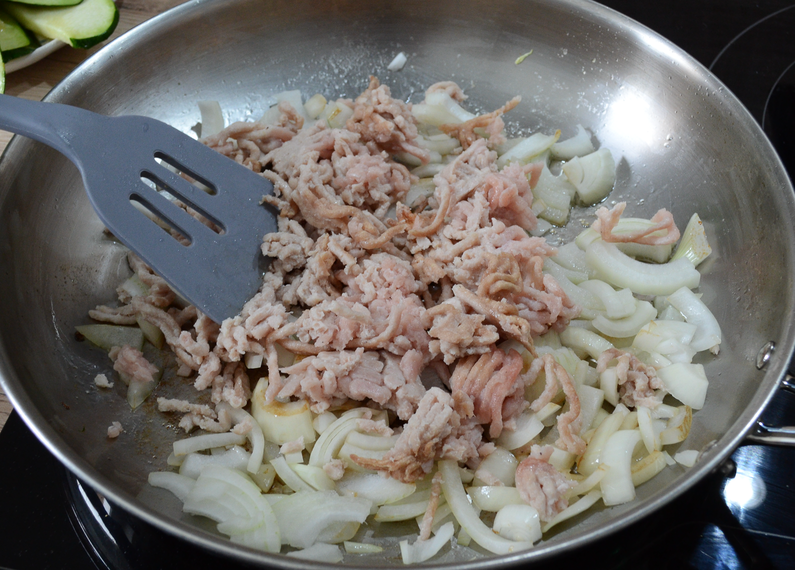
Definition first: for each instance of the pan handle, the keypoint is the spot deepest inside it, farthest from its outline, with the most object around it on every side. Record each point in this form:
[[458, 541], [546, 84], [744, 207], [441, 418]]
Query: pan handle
[[768, 435]]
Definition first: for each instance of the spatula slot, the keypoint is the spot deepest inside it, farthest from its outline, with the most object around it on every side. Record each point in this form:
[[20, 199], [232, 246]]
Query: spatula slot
[[161, 221], [182, 198], [198, 181]]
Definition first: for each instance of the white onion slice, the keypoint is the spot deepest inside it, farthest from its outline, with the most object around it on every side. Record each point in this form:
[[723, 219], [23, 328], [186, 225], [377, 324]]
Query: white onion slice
[[422, 550], [317, 511], [617, 484], [492, 498], [320, 552], [207, 441], [628, 326], [177, 484], [708, 333], [686, 382], [466, 516], [518, 522], [622, 271], [212, 118]]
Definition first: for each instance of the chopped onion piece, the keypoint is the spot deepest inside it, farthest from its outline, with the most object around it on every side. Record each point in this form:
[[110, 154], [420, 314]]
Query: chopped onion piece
[[207, 441], [528, 426], [622, 271], [686, 382], [314, 106], [212, 118], [578, 145], [501, 464], [518, 522], [401, 512], [585, 341], [528, 148], [593, 175], [233, 458], [617, 484], [314, 476], [318, 510], [617, 304], [320, 552], [492, 498], [628, 326], [468, 518], [442, 99], [577, 508], [678, 426], [687, 457], [375, 487], [330, 442], [281, 422], [556, 194], [177, 484], [361, 547], [587, 484], [423, 550], [648, 467], [288, 476], [708, 333], [591, 459], [694, 245]]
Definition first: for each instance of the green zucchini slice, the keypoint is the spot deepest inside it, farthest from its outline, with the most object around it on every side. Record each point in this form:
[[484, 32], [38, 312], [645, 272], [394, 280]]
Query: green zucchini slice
[[49, 2], [14, 41], [82, 26]]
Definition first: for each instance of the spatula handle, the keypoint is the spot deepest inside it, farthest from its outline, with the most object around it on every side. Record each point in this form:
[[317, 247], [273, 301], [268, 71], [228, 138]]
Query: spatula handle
[[58, 126]]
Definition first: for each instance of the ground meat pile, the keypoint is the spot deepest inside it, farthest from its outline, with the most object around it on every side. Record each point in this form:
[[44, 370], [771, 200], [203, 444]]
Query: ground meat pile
[[372, 292]]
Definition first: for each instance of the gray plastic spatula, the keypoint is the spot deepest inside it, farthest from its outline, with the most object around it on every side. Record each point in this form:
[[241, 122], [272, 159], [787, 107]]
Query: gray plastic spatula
[[129, 159]]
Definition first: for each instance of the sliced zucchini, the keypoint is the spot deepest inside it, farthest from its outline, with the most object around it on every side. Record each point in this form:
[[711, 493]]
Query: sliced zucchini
[[49, 2], [82, 26], [14, 41]]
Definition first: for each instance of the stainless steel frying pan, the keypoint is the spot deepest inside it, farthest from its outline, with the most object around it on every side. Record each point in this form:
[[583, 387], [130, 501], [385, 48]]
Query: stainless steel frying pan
[[685, 144]]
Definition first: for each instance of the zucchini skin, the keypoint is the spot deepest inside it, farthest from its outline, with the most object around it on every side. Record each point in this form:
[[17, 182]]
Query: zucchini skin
[[86, 43]]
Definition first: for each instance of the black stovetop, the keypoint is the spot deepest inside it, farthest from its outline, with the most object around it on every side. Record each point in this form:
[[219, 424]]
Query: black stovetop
[[738, 518]]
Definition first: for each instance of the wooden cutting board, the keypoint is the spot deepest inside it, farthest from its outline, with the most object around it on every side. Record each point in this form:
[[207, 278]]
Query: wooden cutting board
[[36, 81]]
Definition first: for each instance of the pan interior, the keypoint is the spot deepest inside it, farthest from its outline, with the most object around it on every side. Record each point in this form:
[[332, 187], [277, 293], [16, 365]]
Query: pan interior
[[684, 144]]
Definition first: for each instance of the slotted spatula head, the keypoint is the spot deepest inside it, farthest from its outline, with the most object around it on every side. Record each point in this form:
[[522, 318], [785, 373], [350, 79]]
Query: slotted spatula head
[[130, 164]]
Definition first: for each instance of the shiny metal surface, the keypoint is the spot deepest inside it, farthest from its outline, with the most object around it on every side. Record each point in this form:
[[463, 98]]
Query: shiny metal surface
[[685, 144]]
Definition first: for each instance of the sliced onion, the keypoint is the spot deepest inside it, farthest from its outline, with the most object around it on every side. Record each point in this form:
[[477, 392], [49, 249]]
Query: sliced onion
[[492, 498], [501, 464], [708, 333], [591, 459], [212, 118], [468, 518], [686, 382], [616, 485], [577, 508], [528, 148], [233, 458], [207, 441], [617, 304], [442, 99], [585, 341], [361, 547], [648, 467], [422, 550], [528, 426], [593, 175], [320, 552], [179, 485], [622, 271], [578, 145], [332, 439], [520, 523], [375, 487], [627, 326], [304, 515], [288, 476]]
